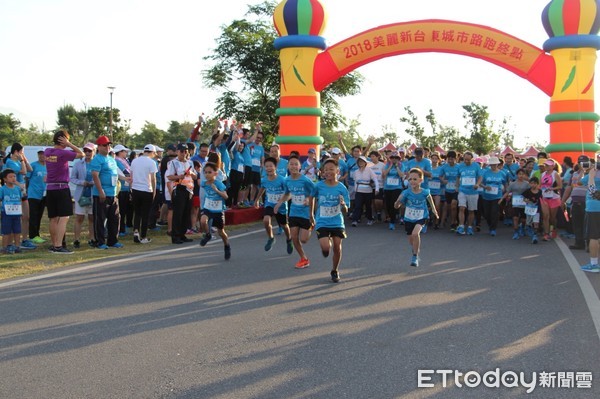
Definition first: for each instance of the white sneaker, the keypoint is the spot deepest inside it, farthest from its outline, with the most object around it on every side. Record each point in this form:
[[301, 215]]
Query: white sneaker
[[370, 223], [145, 241]]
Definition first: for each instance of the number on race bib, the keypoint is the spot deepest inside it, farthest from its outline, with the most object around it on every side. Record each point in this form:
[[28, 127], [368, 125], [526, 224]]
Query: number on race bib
[[240, 168], [451, 186], [255, 162], [518, 201], [467, 181], [13, 209], [298, 199], [273, 198], [414, 214], [492, 190], [393, 181], [548, 194], [213, 205], [329, 211], [435, 185], [531, 209]]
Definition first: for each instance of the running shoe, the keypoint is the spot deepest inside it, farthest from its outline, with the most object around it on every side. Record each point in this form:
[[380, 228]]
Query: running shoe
[[453, 228], [303, 263], [103, 246], [145, 241], [38, 240], [554, 233], [136, 238], [17, 250], [93, 243], [27, 244], [62, 251], [280, 231], [469, 231], [392, 226], [227, 252], [493, 233], [76, 244], [546, 237], [117, 245], [290, 246], [354, 224], [516, 235], [424, 229], [205, 239], [370, 223], [460, 230], [534, 239], [521, 231], [529, 231], [335, 276], [414, 261], [269, 244], [591, 268]]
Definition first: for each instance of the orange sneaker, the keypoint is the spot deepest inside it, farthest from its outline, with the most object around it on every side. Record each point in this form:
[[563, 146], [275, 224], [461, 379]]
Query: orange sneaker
[[303, 263]]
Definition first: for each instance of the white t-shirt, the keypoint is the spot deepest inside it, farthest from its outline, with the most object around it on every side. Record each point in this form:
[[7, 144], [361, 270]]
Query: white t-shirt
[[142, 169], [378, 169]]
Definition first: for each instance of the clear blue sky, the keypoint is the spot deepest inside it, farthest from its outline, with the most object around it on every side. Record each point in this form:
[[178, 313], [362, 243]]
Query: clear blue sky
[[57, 52]]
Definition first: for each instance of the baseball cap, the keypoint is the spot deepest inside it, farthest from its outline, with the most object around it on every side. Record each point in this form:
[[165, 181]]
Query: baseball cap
[[312, 151], [149, 148], [158, 149], [89, 146], [363, 158], [171, 147], [119, 148], [103, 140], [401, 150], [549, 162], [336, 150], [394, 154], [182, 147]]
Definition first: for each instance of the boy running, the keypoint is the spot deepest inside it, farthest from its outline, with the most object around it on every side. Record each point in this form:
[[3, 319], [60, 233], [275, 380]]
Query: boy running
[[332, 199], [213, 205], [416, 214], [274, 187], [299, 188], [532, 197]]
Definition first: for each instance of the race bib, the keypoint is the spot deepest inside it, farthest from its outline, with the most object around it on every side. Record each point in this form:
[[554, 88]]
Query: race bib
[[213, 205], [518, 201], [113, 180], [255, 162], [492, 190], [414, 214], [548, 194], [435, 185], [531, 209], [273, 198], [329, 211], [298, 199], [393, 181], [468, 181], [450, 186], [13, 209], [240, 168]]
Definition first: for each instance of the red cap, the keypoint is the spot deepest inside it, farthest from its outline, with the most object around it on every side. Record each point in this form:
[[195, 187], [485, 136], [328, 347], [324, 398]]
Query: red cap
[[103, 140]]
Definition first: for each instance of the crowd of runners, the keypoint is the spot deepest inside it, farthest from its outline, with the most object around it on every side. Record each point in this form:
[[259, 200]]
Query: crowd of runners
[[188, 188]]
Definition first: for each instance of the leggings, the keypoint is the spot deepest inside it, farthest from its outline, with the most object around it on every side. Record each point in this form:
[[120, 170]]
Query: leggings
[[390, 197]]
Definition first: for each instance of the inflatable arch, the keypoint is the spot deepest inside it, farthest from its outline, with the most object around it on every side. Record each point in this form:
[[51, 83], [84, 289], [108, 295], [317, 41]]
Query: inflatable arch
[[564, 69]]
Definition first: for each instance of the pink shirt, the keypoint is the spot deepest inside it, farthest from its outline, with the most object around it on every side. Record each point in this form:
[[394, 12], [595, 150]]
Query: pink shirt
[[57, 166]]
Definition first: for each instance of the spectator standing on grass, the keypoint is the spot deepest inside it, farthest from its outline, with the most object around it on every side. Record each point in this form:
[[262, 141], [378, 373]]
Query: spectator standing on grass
[[124, 196], [36, 196], [58, 195], [143, 189], [81, 177]]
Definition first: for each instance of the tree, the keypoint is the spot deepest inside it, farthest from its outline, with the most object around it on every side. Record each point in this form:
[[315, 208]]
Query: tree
[[482, 138], [246, 71]]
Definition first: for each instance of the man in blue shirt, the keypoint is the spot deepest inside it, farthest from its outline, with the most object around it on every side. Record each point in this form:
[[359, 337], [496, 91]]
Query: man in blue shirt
[[468, 195], [422, 163]]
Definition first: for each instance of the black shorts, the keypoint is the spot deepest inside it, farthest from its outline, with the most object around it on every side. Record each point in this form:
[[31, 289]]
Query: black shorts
[[592, 225], [218, 218], [299, 222], [378, 195], [518, 213], [331, 232], [247, 176], [410, 226], [59, 203], [281, 218], [451, 197], [255, 178]]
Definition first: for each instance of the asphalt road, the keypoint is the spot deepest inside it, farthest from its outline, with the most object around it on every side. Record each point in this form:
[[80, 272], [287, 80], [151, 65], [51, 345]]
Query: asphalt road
[[183, 323]]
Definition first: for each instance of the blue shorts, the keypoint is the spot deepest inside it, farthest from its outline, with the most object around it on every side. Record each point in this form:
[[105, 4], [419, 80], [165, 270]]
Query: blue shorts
[[11, 224]]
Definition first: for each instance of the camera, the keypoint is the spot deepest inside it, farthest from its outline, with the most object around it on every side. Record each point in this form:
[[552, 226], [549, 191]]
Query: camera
[[584, 161]]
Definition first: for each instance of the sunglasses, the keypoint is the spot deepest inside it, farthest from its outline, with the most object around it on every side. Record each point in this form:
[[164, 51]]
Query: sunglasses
[[86, 150]]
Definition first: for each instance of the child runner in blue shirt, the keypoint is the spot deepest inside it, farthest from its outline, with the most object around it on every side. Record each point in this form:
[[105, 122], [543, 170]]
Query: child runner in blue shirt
[[10, 198], [415, 200], [213, 205], [298, 188], [532, 198], [332, 198], [274, 187]]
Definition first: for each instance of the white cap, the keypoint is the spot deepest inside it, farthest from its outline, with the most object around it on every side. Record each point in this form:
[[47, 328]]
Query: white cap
[[158, 149], [119, 148], [149, 148], [336, 150], [493, 161]]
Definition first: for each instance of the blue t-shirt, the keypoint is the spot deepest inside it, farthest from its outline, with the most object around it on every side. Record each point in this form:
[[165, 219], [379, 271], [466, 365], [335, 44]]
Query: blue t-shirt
[[511, 170], [274, 190], [496, 181], [11, 200], [16, 167], [37, 185], [343, 167], [257, 152], [329, 213], [108, 174], [468, 178], [126, 171], [352, 166], [247, 157], [237, 161], [424, 164], [450, 174], [212, 201], [591, 204], [416, 205], [435, 184], [300, 189], [393, 181]]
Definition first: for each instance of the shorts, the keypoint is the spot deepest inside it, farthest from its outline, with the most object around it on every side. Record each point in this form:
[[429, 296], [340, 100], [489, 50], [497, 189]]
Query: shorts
[[532, 219], [378, 195], [592, 225], [451, 197], [410, 226], [255, 178], [59, 203], [196, 201], [331, 232], [169, 204], [468, 200], [11, 224], [281, 218], [518, 212], [299, 222], [552, 203], [218, 218], [83, 210]]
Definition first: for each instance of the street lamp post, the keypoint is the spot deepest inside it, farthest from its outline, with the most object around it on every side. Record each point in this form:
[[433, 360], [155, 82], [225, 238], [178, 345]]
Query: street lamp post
[[110, 126]]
